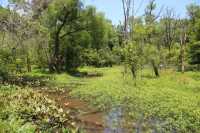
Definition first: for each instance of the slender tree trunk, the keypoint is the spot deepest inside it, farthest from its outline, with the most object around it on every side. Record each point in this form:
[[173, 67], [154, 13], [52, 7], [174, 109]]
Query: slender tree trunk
[[126, 8], [28, 64], [182, 55], [54, 61], [155, 68], [133, 72], [2, 43], [141, 58], [141, 69], [183, 68], [170, 55], [125, 69], [1, 80], [48, 56]]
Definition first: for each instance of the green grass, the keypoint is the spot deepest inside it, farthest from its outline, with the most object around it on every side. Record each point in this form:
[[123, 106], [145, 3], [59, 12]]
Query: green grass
[[172, 98]]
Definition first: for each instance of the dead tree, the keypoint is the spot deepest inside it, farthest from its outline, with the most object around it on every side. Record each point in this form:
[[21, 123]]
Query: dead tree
[[183, 38], [126, 9], [170, 23]]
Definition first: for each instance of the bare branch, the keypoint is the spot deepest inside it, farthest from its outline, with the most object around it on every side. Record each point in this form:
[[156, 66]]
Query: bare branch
[[158, 14], [9, 23], [14, 48], [138, 8], [4, 34]]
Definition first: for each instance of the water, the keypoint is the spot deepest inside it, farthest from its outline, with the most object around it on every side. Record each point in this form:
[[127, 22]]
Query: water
[[92, 120]]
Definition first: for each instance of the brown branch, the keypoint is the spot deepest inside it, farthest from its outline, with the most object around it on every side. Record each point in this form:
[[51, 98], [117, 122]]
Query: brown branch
[[14, 48], [124, 9], [158, 14], [9, 23], [151, 4], [76, 30], [138, 8], [61, 26], [4, 34], [46, 48]]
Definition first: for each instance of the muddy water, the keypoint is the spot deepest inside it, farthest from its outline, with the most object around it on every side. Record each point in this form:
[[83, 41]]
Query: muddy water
[[90, 119]]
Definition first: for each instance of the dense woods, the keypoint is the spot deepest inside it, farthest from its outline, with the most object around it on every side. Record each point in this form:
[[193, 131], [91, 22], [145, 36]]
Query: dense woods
[[63, 35], [56, 36]]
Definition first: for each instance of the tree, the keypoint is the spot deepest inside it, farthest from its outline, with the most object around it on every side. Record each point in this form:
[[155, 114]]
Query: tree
[[139, 35], [183, 38], [130, 48], [169, 30], [150, 27], [126, 9], [193, 32], [16, 24], [193, 12], [63, 19]]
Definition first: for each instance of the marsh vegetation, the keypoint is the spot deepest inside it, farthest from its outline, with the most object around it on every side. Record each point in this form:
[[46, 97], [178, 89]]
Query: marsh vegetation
[[65, 68]]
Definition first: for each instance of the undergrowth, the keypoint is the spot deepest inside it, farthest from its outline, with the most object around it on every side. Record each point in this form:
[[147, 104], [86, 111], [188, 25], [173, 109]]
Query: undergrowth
[[172, 99], [26, 110]]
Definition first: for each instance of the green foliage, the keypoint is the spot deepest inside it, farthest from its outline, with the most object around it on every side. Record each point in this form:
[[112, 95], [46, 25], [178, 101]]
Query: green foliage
[[152, 54], [194, 45], [101, 58], [29, 80], [172, 100], [132, 56], [27, 110]]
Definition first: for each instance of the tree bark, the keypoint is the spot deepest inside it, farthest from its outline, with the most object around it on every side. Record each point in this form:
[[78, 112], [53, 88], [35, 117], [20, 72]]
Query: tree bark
[[182, 55], [28, 64], [183, 37], [126, 8], [133, 72], [54, 61], [155, 68]]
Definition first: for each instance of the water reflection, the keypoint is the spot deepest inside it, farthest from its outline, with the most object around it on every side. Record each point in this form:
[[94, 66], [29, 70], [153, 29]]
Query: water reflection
[[92, 121]]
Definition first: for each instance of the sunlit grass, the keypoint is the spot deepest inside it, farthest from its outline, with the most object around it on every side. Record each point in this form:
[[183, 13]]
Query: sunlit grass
[[172, 98]]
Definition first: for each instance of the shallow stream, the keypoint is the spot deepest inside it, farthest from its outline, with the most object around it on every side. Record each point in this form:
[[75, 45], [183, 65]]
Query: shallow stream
[[92, 120]]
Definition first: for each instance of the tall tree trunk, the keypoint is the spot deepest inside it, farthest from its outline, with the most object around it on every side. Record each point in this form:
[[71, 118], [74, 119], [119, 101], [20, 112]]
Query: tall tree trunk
[[183, 38], [54, 62], [1, 80], [182, 58], [28, 64], [126, 8], [170, 56], [133, 72], [182, 55], [141, 70], [47, 53], [155, 68]]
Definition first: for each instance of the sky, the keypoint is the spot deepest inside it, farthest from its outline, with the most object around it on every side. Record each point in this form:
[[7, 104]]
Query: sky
[[113, 9]]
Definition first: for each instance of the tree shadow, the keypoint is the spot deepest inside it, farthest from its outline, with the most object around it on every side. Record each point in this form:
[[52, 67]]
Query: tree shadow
[[149, 76], [77, 74], [84, 74], [30, 80]]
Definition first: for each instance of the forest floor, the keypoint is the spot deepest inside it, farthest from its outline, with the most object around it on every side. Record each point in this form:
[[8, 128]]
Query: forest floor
[[107, 100]]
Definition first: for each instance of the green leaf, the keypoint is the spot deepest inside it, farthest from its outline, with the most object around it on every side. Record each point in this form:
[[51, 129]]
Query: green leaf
[[60, 110], [38, 109]]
